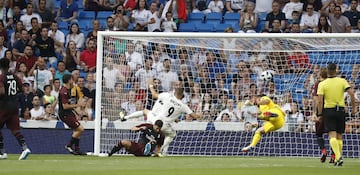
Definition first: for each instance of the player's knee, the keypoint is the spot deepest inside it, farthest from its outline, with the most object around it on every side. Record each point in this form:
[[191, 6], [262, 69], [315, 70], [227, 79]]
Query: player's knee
[[125, 143], [80, 129]]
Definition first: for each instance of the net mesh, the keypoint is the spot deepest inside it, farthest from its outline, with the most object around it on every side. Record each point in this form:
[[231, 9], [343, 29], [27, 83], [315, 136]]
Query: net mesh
[[219, 75]]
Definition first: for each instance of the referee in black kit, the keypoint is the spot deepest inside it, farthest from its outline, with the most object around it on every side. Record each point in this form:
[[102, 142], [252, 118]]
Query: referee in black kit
[[331, 94]]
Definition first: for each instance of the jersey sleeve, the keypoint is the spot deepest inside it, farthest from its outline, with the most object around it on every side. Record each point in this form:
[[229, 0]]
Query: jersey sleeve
[[64, 98], [186, 109], [163, 95], [320, 90]]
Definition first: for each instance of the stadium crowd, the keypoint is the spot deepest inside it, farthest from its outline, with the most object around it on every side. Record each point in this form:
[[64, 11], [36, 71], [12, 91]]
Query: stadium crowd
[[46, 39]]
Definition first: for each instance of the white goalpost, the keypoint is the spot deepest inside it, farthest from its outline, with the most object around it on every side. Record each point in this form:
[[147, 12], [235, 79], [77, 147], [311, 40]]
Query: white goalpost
[[220, 73]]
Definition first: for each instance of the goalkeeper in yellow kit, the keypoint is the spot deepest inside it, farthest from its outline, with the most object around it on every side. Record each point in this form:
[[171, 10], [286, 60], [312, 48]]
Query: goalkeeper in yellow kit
[[273, 116]]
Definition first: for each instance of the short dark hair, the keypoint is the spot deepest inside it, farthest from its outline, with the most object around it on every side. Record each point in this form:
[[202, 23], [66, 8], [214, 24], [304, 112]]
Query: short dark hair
[[66, 78], [331, 68], [46, 86], [159, 123], [4, 63]]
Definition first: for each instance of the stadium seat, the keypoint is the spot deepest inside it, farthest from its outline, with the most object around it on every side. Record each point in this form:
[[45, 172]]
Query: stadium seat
[[103, 15], [260, 26], [63, 25], [195, 18], [232, 17], [187, 27], [262, 16], [221, 27], [205, 28], [214, 18], [86, 15]]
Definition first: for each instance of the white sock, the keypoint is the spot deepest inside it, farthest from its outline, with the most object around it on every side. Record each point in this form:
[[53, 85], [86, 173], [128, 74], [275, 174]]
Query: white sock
[[136, 114], [166, 144]]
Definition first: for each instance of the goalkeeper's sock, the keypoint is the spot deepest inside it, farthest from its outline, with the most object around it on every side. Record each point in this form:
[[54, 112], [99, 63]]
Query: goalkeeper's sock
[[335, 147], [256, 139], [136, 114], [340, 143]]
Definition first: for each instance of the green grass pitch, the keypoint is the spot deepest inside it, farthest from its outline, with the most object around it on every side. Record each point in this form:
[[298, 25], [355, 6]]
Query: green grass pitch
[[129, 165]]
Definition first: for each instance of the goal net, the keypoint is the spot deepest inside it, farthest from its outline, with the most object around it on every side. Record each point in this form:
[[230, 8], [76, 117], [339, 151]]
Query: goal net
[[220, 73]]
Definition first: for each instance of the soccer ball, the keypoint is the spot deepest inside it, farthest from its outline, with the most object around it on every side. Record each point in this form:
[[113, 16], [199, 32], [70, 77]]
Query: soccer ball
[[266, 76]]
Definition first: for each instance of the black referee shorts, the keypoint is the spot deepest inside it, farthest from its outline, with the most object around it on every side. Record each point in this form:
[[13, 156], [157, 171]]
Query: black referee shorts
[[334, 120]]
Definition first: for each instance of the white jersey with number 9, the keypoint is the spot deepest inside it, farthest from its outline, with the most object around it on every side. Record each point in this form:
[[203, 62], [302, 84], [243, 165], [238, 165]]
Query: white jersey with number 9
[[168, 108]]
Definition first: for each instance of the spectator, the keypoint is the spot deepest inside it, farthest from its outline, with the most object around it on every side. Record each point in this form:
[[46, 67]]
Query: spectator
[[130, 5], [214, 66], [328, 7], [339, 23], [110, 26], [177, 8], [41, 74], [353, 15], [49, 113], [76, 35], [19, 46], [234, 6], [249, 113], [25, 99], [71, 57], [298, 61], [185, 78], [84, 111], [37, 112], [295, 28], [316, 3], [58, 37], [121, 20], [201, 6], [27, 57], [183, 58], [249, 19], [27, 18], [155, 18], [309, 21], [9, 55], [295, 19], [207, 105], [56, 88], [112, 3], [90, 82], [81, 84], [290, 7], [15, 35], [3, 49], [35, 31], [323, 25], [167, 77], [6, 15], [129, 105], [221, 103], [61, 71], [168, 24], [216, 6], [142, 76], [195, 96], [16, 14], [88, 57], [44, 5], [68, 11], [124, 68], [46, 46], [275, 14], [20, 3], [45, 11], [140, 16], [23, 72], [96, 5], [47, 98], [133, 57], [92, 35], [110, 74], [233, 113], [296, 119]]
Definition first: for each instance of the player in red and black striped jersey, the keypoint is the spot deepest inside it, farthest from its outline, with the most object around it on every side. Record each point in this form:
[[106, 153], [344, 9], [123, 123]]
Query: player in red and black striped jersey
[[67, 114], [151, 140], [10, 86], [319, 122]]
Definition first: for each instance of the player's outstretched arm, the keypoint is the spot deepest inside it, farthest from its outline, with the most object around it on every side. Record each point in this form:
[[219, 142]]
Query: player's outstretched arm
[[154, 94], [136, 129], [196, 115]]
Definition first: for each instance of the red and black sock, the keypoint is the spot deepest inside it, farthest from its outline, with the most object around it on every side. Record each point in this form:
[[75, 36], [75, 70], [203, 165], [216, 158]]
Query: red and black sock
[[21, 140]]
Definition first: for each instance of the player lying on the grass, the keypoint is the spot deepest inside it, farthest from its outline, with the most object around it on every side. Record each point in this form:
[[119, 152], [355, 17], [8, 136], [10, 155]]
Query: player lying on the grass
[[168, 107], [273, 116], [150, 140], [319, 121]]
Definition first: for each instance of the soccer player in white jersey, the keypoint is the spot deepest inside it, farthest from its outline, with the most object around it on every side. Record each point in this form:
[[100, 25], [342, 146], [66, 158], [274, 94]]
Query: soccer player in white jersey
[[168, 107]]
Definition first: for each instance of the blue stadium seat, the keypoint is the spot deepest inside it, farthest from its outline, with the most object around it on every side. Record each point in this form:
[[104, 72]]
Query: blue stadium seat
[[221, 27], [86, 15], [262, 16], [214, 18], [83, 25], [260, 26], [205, 28], [103, 15], [63, 25], [232, 17], [196, 18], [187, 27]]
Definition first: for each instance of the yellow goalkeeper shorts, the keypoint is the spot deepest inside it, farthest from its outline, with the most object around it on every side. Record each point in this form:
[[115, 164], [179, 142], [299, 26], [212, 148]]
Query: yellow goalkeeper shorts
[[275, 123]]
